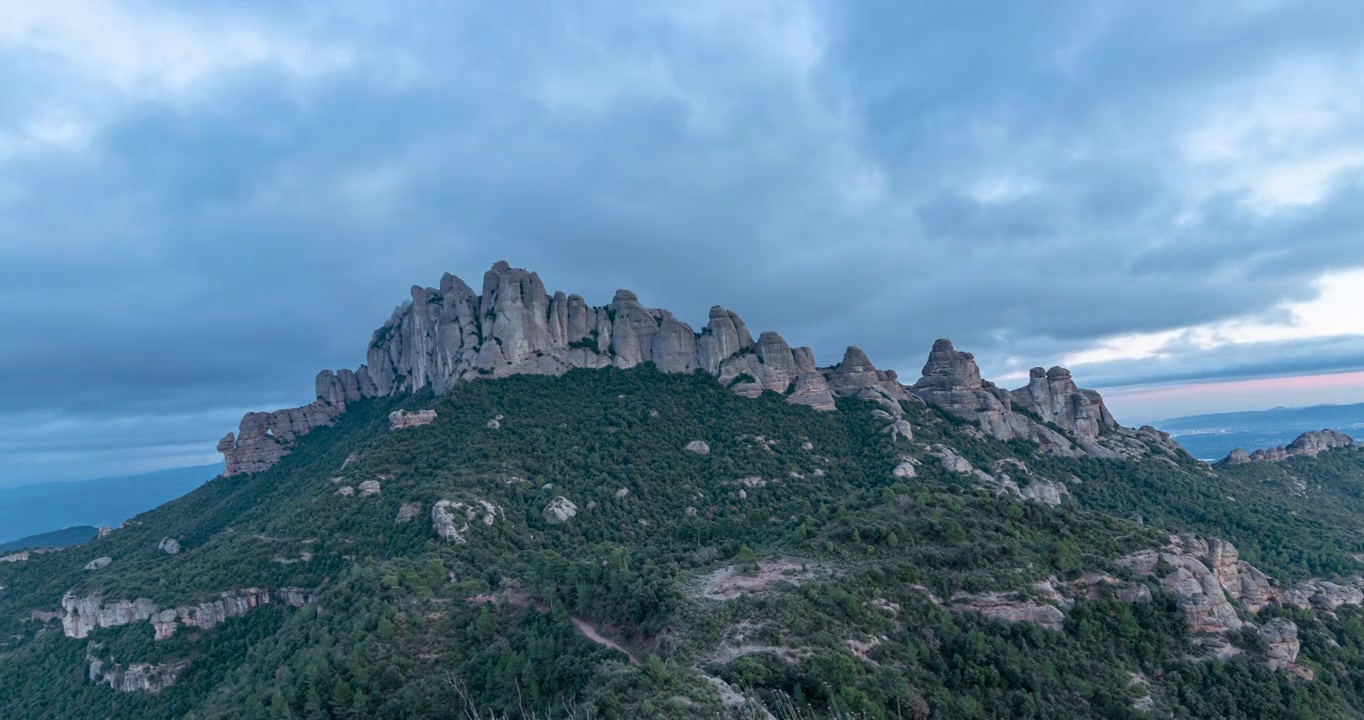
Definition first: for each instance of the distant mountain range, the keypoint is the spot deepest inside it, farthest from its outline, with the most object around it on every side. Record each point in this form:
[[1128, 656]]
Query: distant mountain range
[[1211, 437], [46, 507], [64, 538]]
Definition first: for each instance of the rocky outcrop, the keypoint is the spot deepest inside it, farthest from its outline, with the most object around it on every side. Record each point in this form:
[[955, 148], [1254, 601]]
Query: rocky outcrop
[[399, 419], [99, 563], [170, 546], [263, 438], [22, 556], [1308, 444], [951, 380], [370, 487], [137, 677], [1198, 593], [1048, 492], [83, 614], [512, 325], [698, 446], [451, 519], [1009, 608], [450, 334], [1281, 637], [559, 510], [1053, 396]]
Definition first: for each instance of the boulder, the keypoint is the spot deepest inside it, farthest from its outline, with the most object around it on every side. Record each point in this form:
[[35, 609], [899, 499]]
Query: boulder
[[170, 546], [99, 563], [698, 446], [559, 510], [1048, 492], [369, 487]]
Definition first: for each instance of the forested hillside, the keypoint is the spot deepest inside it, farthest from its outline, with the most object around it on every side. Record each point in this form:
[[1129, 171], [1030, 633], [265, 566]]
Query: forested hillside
[[807, 564]]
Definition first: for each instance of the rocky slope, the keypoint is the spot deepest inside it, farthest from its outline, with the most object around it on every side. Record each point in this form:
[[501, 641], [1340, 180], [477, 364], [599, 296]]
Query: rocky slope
[[514, 326]]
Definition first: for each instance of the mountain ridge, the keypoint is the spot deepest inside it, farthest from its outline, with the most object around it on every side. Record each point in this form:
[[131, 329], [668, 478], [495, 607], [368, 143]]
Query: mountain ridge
[[449, 334]]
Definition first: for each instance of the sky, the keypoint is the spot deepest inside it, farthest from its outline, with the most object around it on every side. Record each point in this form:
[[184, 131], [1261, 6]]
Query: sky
[[203, 204]]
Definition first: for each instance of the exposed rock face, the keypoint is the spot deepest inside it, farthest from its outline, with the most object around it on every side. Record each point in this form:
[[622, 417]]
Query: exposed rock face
[[16, 557], [1048, 492], [1202, 575], [904, 470], [1326, 595], [138, 677], [452, 519], [450, 333], [98, 563], [370, 487], [83, 614], [1309, 444], [170, 546], [1282, 638], [951, 380], [407, 512], [699, 447], [263, 438], [1053, 396], [1007, 607], [399, 419], [514, 326], [560, 510]]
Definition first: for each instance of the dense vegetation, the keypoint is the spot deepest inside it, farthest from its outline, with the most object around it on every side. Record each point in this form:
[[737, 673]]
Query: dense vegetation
[[408, 625]]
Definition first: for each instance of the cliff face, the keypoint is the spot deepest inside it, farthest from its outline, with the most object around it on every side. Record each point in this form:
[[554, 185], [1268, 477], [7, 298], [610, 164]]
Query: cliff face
[[514, 326]]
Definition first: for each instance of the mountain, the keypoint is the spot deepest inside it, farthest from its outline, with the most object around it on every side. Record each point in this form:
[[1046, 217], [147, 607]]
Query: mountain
[[633, 539], [56, 539], [1216, 435], [42, 507]]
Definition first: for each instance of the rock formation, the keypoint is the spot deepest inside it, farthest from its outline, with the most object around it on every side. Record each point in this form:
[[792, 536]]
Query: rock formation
[[1050, 410], [1308, 444], [98, 563], [452, 519], [138, 677], [369, 487], [170, 546], [698, 446], [399, 419], [560, 510], [1281, 636], [1009, 608], [80, 615], [1053, 396], [451, 333]]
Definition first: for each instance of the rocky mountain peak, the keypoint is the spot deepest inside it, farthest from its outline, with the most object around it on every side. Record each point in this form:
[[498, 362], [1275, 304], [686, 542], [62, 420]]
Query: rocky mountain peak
[[450, 334], [947, 368]]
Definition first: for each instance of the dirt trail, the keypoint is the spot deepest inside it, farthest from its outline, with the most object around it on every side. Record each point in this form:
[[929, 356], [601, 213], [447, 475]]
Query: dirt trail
[[591, 633], [520, 598]]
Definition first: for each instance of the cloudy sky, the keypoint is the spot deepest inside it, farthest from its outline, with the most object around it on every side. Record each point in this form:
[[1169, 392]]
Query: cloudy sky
[[202, 204]]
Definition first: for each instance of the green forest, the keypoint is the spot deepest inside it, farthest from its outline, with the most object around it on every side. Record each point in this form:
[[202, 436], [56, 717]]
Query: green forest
[[787, 571]]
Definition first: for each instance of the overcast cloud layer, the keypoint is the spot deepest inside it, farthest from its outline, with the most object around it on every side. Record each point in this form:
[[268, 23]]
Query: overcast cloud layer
[[201, 205]]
